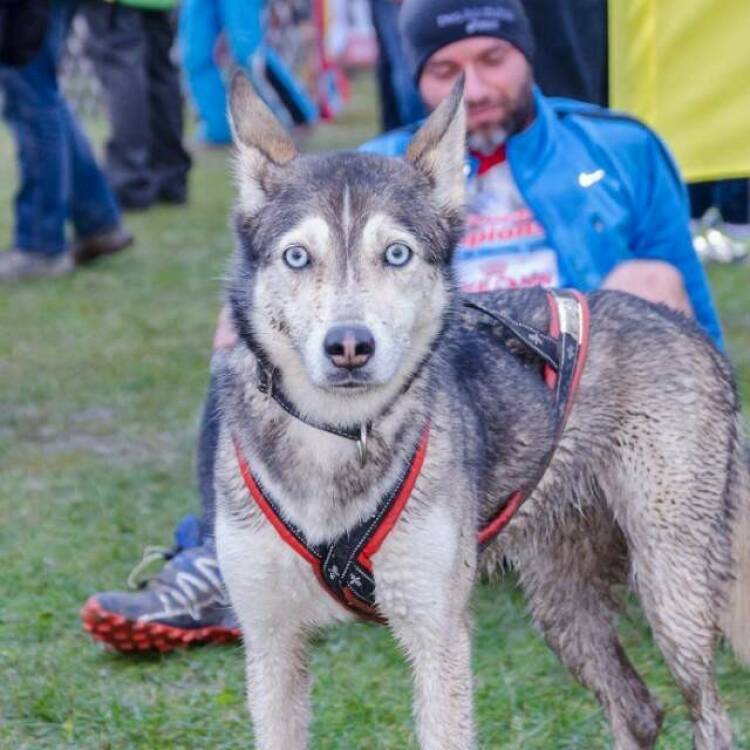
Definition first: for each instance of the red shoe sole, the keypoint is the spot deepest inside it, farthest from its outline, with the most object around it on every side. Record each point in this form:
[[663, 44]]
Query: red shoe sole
[[133, 636]]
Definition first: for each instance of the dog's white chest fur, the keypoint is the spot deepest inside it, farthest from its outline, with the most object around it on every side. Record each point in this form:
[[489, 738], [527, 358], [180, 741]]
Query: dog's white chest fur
[[267, 576]]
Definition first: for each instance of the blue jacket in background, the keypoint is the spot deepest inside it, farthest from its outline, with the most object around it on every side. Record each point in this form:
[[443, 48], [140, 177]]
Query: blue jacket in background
[[605, 189]]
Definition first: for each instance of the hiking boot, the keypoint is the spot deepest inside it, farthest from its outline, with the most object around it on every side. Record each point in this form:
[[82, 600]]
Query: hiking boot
[[16, 265], [184, 604], [86, 249]]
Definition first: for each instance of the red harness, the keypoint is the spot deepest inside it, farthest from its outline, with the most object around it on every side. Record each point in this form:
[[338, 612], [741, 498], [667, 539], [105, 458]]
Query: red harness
[[344, 566]]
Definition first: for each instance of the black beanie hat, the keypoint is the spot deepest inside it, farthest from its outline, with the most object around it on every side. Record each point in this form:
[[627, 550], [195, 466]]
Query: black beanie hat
[[428, 25]]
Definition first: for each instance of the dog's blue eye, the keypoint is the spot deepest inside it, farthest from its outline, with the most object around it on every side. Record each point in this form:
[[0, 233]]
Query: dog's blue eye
[[296, 257], [397, 254]]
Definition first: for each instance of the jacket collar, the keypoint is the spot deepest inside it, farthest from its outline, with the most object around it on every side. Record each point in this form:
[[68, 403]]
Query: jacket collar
[[529, 150]]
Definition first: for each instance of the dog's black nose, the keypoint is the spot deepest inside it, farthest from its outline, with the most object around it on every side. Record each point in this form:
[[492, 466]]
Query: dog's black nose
[[349, 346]]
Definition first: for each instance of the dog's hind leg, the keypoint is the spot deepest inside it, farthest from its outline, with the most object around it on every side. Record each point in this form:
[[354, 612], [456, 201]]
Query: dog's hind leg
[[674, 574], [567, 579], [736, 618], [681, 617]]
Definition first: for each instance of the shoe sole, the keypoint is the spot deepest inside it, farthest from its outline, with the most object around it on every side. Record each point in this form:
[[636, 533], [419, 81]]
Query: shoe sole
[[52, 268], [136, 636]]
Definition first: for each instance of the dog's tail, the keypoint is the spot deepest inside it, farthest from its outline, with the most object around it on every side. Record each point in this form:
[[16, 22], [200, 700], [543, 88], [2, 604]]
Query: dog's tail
[[736, 624]]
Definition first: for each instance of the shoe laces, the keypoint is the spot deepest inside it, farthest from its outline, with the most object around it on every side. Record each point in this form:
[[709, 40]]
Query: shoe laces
[[181, 590], [151, 554], [194, 591]]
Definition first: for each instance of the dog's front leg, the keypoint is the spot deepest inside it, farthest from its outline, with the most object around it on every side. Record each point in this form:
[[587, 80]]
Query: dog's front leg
[[278, 686], [425, 581], [441, 666]]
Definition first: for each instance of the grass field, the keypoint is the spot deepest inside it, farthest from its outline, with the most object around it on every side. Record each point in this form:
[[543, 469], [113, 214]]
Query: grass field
[[101, 379]]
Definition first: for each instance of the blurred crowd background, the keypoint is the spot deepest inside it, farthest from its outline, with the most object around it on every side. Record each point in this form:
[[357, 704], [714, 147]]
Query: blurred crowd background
[[143, 61]]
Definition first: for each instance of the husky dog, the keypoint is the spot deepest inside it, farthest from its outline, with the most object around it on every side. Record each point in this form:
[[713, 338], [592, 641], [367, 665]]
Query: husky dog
[[348, 315]]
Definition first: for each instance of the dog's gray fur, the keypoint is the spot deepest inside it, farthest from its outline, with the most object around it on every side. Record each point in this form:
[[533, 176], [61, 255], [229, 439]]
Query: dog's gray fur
[[649, 483]]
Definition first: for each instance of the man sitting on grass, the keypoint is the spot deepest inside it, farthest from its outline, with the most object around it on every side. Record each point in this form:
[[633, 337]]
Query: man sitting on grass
[[561, 193]]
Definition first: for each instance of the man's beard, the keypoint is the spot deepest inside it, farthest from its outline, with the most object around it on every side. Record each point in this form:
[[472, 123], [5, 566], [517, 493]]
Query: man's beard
[[487, 138]]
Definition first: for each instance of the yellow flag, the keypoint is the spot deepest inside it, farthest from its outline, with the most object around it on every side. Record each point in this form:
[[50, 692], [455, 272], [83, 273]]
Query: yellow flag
[[683, 66]]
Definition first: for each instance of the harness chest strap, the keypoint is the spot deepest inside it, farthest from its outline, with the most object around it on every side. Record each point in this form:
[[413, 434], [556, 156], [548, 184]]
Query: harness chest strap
[[344, 566]]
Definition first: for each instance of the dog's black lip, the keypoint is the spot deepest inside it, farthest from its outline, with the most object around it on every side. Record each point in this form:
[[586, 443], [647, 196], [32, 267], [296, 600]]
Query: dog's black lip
[[350, 384], [348, 379]]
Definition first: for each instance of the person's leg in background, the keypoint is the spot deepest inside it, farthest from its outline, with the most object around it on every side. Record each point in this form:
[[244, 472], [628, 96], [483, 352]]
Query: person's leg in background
[[199, 30], [273, 80], [400, 103], [733, 200], [92, 206], [720, 219], [117, 47], [730, 197], [169, 161], [242, 24], [59, 175], [269, 68], [701, 198], [33, 108], [242, 21]]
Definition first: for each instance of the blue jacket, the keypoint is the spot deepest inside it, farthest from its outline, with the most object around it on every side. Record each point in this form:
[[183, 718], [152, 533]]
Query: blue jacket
[[605, 189]]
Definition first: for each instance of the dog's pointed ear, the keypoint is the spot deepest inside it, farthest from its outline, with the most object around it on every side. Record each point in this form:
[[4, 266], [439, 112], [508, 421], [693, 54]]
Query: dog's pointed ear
[[262, 143], [438, 150]]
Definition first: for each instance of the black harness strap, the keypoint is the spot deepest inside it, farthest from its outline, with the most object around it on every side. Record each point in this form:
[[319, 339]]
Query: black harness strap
[[545, 346], [564, 353]]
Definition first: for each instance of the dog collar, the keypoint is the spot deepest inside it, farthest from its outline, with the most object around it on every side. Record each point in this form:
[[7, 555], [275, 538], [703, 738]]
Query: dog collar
[[267, 384]]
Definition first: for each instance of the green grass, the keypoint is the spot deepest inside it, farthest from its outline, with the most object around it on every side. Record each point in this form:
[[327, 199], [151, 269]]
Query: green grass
[[101, 380]]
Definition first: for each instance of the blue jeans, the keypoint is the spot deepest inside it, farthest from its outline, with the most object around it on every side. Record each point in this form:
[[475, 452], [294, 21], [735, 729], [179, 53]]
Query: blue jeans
[[201, 23], [59, 177]]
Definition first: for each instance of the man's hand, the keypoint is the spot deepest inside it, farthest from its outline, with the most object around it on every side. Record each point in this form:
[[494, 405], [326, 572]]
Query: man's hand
[[653, 280], [225, 336]]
